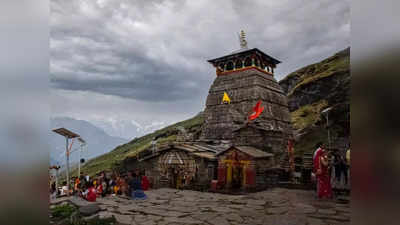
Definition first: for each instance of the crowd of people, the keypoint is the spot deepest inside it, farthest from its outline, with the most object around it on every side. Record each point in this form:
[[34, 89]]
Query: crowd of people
[[326, 164], [132, 184]]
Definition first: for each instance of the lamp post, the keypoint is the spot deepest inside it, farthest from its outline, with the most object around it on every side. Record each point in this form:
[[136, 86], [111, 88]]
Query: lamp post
[[68, 135]]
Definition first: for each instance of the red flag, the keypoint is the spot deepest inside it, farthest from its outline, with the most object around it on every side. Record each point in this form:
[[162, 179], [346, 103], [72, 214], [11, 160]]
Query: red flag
[[257, 110]]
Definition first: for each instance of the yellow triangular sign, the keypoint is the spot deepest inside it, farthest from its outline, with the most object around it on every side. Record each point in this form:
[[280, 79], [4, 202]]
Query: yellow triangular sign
[[226, 98]]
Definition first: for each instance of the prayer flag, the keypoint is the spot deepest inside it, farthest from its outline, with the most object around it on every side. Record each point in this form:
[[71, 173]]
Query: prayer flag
[[226, 98], [257, 110]]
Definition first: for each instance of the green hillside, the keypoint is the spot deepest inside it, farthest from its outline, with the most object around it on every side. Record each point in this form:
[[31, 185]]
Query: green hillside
[[314, 88], [130, 149]]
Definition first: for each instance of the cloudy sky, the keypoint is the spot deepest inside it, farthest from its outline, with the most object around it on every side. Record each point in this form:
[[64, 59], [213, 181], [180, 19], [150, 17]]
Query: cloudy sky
[[143, 63]]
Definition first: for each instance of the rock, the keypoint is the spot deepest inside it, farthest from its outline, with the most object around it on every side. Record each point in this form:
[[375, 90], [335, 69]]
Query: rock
[[104, 215], [205, 216], [186, 220], [284, 220], [314, 221], [326, 211], [89, 210], [123, 219], [256, 202], [222, 209], [300, 208], [59, 200], [218, 221], [278, 210], [234, 218]]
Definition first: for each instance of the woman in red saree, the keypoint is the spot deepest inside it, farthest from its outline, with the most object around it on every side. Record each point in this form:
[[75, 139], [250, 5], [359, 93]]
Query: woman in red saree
[[145, 183], [321, 166]]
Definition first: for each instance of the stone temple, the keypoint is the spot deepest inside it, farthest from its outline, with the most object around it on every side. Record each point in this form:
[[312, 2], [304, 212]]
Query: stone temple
[[247, 76], [231, 152]]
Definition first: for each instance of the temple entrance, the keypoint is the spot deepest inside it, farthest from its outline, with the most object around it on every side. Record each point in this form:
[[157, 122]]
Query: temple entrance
[[235, 170], [237, 176], [175, 178], [177, 167]]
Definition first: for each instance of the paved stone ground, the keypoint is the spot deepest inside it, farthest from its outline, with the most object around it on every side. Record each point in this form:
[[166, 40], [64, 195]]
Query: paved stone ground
[[272, 207]]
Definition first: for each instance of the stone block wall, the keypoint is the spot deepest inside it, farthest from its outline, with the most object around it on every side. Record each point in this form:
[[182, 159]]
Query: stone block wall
[[228, 121]]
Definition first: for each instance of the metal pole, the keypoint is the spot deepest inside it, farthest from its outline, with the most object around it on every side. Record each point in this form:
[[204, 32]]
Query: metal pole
[[329, 135], [79, 164], [56, 181], [67, 152]]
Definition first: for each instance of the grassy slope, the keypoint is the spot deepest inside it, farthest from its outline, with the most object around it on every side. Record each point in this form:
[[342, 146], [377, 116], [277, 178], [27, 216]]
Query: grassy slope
[[130, 149], [340, 62], [308, 117]]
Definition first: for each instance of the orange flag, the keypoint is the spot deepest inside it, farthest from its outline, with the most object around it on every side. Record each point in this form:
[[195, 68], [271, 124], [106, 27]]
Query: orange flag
[[257, 110]]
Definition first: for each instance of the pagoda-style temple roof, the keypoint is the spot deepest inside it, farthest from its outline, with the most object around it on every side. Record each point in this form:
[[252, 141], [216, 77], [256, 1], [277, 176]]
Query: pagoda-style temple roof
[[242, 53]]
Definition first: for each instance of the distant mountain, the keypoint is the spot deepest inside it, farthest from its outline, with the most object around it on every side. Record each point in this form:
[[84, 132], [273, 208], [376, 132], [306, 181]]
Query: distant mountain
[[311, 90], [127, 128], [98, 141], [130, 149]]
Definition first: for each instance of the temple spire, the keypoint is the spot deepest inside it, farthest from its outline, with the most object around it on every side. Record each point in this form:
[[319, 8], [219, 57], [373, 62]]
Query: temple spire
[[242, 40]]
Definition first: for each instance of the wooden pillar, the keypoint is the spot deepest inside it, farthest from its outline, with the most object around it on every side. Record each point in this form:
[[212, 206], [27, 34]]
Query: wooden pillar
[[244, 182], [229, 174]]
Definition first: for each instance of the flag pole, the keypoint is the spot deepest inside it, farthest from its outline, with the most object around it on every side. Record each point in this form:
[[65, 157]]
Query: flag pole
[[67, 152]]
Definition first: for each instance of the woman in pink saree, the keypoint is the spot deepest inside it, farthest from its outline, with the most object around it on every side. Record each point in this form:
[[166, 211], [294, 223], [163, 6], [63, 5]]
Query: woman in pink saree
[[321, 166]]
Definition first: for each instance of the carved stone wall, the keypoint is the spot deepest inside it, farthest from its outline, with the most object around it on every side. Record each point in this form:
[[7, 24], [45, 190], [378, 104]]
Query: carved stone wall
[[269, 132]]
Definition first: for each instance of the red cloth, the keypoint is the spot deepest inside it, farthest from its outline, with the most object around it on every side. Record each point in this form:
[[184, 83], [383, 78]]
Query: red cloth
[[91, 196], [99, 189], [221, 175], [324, 180], [316, 158], [145, 183], [257, 110], [250, 176]]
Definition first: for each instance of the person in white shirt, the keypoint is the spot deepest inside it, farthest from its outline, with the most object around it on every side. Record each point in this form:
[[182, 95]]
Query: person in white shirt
[[64, 189]]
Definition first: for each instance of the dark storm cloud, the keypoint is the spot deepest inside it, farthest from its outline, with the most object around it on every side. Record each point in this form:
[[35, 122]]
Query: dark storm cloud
[[156, 51], [96, 48]]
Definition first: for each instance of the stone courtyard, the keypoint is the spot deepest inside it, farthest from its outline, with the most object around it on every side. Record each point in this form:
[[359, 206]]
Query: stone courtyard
[[170, 206]]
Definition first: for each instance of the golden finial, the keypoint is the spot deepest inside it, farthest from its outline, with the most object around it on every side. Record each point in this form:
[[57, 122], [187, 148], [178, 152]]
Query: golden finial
[[242, 40]]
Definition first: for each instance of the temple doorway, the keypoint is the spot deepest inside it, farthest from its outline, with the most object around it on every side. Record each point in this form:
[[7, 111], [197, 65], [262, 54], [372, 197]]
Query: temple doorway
[[237, 176], [177, 167]]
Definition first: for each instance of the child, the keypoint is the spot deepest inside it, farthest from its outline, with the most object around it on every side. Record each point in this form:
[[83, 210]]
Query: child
[[99, 188], [90, 193]]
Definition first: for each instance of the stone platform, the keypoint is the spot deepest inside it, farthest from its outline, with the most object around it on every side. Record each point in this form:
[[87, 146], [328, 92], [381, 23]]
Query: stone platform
[[271, 207]]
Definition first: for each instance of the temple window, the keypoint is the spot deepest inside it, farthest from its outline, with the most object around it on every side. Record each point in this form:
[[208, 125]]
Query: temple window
[[229, 65], [256, 62], [247, 62], [221, 66], [238, 64]]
